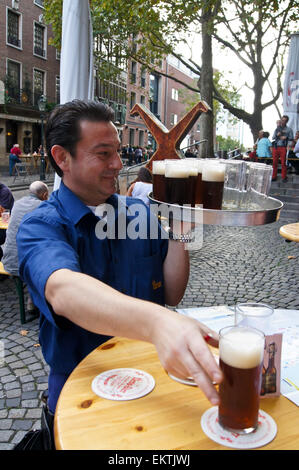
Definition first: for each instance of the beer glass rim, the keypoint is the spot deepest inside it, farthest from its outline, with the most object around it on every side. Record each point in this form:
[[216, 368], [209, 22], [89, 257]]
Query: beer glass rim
[[226, 329], [239, 306]]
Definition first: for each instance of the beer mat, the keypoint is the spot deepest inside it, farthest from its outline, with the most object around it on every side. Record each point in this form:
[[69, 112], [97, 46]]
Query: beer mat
[[190, 380], [123, 384], [186, 381], [264, 434]]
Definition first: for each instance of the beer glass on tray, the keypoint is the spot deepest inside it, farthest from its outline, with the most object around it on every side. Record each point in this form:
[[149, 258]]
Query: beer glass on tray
[[241, 352], [212, 184], [158, 172], [178, 187]]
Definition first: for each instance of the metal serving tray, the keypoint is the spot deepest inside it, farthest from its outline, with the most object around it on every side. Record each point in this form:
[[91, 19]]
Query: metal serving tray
[[269, 212]]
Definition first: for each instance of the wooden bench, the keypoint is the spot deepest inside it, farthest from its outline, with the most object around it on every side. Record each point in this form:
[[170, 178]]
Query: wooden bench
[[290, 232], [20, 290]]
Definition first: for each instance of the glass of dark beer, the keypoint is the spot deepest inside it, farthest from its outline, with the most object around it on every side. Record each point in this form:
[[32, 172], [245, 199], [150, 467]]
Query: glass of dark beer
[[178, 188], [241, 351], [158, 172], [212, 185]]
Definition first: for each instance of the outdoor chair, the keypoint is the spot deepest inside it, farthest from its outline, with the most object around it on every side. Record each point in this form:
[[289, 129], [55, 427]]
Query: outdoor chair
[[20, 286], [21, 171]]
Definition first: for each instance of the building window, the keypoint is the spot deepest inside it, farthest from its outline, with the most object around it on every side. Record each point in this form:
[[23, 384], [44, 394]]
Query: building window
[[175, 94], [143, 77], [154, 94], [173, 119], [132, 99], [39, 40], [38, 84], [141, 139], [57, 89], [13, 28], [13, 80], [142, 99], [132, 137], [39, 3], [133, 72]]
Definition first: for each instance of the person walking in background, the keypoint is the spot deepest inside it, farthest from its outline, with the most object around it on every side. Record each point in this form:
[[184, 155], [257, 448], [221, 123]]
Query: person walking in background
[[14, 154], [142, 186], [282, 135], [138, 155]]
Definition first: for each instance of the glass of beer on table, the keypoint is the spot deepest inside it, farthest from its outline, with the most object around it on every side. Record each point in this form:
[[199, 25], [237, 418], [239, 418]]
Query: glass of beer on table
[[241, 351], [212, 184]]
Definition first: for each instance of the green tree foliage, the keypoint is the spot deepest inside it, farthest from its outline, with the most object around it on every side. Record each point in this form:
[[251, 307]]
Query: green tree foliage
[[256, 32]]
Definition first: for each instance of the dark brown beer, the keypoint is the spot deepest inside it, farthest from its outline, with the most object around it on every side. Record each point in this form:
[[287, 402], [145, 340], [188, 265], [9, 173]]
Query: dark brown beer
[[241, 356], [177, 184], [212, 185], [158, 172], [199, 190], [239, 397]]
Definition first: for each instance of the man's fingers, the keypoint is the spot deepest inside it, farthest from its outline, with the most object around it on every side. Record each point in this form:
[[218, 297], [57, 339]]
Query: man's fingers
[[206, 359], [201, 378]]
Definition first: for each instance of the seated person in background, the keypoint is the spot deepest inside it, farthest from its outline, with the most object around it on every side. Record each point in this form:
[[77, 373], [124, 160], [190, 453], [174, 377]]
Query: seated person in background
[[189, 154], [293, 152], [38, 192], [142, 186], [264, 146], [6, 203], [14, 153], [252, 155]]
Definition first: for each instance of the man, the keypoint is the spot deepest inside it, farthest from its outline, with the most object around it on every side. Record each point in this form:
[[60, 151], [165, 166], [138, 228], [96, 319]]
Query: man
[[282, 135], [6, 198], [6, 203], [89, 289], [38, 192]]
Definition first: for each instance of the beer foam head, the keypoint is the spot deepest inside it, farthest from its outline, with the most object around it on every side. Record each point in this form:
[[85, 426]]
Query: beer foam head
[[176, 170], [242, 348], [213, 172], [158, 167]]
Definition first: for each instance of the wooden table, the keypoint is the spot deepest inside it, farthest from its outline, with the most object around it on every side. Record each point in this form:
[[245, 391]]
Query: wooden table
[[290, 232], [167, 418]]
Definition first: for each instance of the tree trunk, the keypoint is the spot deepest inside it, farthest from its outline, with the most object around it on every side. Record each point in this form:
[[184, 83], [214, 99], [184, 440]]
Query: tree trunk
[[206, 89]]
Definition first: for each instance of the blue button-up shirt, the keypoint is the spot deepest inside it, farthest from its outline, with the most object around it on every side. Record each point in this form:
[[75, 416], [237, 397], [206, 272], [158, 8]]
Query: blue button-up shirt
[[61, 234]]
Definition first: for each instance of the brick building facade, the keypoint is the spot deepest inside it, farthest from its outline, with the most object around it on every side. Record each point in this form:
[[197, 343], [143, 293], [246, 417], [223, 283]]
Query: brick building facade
[[30, 67]]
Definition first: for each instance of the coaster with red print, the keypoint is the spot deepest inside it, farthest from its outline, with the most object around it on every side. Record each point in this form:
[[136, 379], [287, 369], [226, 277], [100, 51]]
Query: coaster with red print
[[264, 434], [123, 384]]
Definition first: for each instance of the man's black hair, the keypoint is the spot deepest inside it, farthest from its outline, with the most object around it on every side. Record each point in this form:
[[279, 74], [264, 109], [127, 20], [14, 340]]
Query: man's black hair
[[63, 124]]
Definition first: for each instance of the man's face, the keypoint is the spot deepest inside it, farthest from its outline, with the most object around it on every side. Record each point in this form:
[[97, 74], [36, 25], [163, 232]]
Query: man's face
[[92, 172], [284, 121]]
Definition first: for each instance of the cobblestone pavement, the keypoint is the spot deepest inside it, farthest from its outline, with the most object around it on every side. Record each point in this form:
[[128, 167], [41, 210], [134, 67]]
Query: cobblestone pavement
[[234, 264]]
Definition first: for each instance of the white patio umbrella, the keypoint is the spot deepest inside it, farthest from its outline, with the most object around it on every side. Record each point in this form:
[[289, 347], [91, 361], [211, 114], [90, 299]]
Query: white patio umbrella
[[76, 61], [291, 85]]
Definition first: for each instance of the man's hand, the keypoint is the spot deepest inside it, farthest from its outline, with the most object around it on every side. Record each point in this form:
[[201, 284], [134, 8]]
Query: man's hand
[[183, 351]]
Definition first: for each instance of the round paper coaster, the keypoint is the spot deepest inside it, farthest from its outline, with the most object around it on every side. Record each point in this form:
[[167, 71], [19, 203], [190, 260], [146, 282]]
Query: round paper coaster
[[123, 384], [186, 381], [264, 434]]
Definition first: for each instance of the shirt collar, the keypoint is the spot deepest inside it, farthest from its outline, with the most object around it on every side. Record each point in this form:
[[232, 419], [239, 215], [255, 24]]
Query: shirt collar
[[76, 209]]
